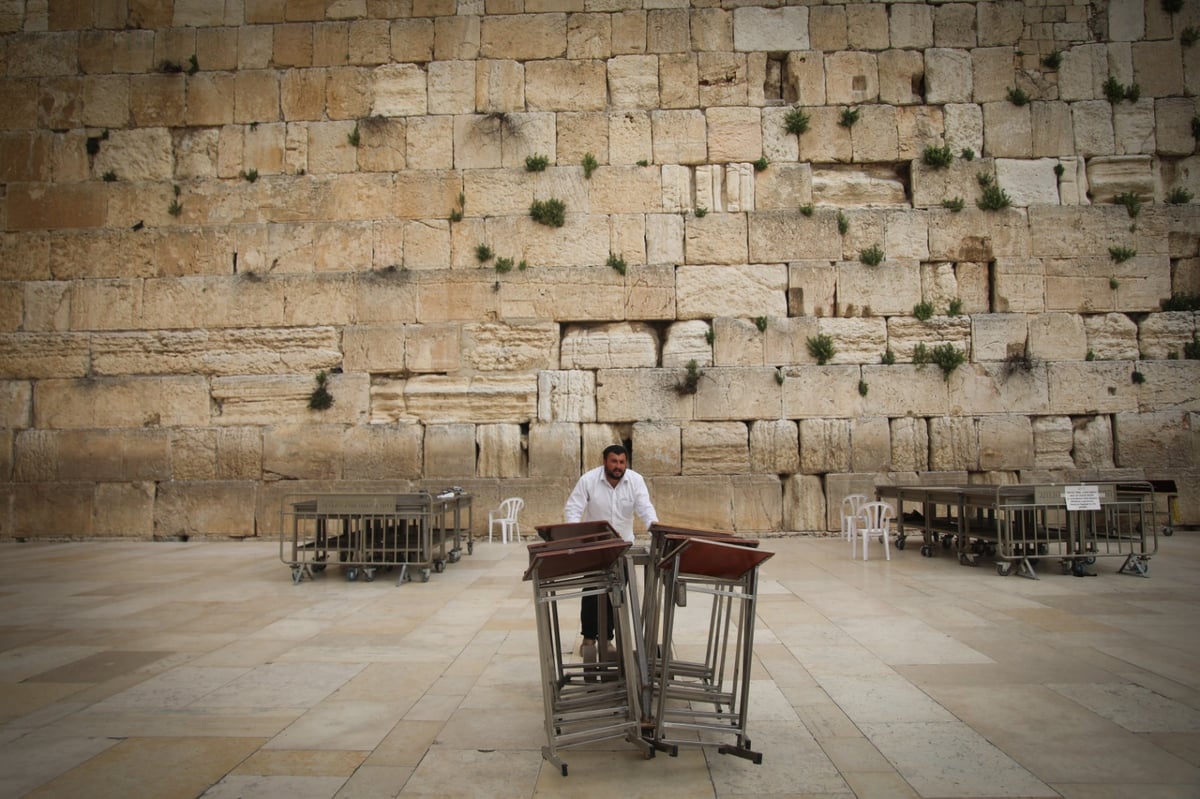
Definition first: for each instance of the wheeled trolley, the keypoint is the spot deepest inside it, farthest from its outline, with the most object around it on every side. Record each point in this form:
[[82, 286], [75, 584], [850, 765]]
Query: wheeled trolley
[[701, 691], [584, 703]]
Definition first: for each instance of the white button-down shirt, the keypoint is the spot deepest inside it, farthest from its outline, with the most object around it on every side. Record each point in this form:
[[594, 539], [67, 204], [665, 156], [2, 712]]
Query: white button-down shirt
[[594, 500]]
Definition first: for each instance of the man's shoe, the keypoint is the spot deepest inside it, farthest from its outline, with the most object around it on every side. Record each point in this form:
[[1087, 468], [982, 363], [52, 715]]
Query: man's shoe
[[588, 650], [610, 651]]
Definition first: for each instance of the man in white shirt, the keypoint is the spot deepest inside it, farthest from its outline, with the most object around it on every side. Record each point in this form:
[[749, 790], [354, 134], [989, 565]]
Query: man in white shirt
[[613, 493]]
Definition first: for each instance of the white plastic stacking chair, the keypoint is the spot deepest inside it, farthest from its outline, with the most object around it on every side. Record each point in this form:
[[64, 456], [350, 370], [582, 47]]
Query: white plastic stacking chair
[[874, 519], [850, 505], [506, 517]]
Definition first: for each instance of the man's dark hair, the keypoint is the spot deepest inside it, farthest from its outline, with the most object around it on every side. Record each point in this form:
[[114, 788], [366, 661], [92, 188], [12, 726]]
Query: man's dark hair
[[615, 449]]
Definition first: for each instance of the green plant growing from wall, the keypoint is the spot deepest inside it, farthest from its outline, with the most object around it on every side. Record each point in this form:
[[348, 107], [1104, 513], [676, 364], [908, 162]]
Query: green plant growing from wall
[[937, 157], [1059, 169], [1131, 201], [536, 163], [504, 265], [456, 213], [807, 210], [617, 263], [1172, 6], [176, 207], [948, 358], [888, 358], [643, 162], [1181, 301], [779, 377], [848, 117], [551, 212], [249, 175], [691, 378], [700, 212], [920, 355], [821, 348], [862, 388], [795, 121], [1196, 127], [761, 323], [710, 336], [1018, 96], [1137, 377], [1189, 36], [1114, 284], [320, 399], [1052, 60], [1179, 196], [923, 310], [1091, 355], [761, 164], [589, 165], [193, 65], [993, 198], [354, 137], [954, 205], [843, 223], [110, 176], [967, 154], [483, 253], [1191, 350], [955, 308], [872, 256], [1121, 254]]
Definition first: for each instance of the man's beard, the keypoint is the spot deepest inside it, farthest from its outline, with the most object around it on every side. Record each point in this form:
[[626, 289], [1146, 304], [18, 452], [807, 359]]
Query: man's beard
[[614, 474]]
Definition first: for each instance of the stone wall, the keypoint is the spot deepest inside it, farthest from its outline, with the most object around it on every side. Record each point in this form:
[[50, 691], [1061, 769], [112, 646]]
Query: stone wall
[[208, 204]]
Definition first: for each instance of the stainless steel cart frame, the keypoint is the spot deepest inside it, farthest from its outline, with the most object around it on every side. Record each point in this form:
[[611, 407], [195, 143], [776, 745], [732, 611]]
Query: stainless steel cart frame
[[584, 703], [727, 571]]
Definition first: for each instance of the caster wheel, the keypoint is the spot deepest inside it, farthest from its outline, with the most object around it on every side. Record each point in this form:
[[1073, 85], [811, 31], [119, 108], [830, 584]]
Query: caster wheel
[[439, 566], [926, 551], [369, 575], [564, 769], [1168, 531], [318, 568], [470, 547], [351, 574], [297, 575], [900, 542], [424, 575], [1003, 569], [946, 542]]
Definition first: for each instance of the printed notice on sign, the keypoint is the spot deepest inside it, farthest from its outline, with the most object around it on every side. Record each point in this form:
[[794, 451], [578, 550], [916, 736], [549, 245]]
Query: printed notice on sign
[[1082, 497]]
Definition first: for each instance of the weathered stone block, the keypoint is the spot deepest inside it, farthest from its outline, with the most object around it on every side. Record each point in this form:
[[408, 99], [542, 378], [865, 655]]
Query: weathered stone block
[[696, 501], [1133, 127], [1121, 174], [812, 288], [617, 345], [715, 448], [992, 77], [499, 89], [757, 503], [774, 446], [1112, 337], [734, 134], [814, 391], [501, 450], [855, 339], [1028, 182], [858, 186], [804, 503], [229, 352], [909, 444], [875, 136], [233, 453], [658, 448], [633, 81], [770, 29], [121, 402], [204, 509], [566, 396], [1000, 23], [824, 445], [565, 85], [851, 77], [1006, 442], [715, 239], [1089, 387], [1017, 386], [1170, 384], [826, 141], [1162, 333], [948, 76], [705, 292], [524, 37], [903, 390], [481, 399], [870, 444], [554, 450], [792, 236], [450, 450], [1007, 130], [1057, 337], [953, 444], [995, 337], [687, 341], [901, 73], [370, 451], [124, 510], [738, 393], [893, 287], [1053, 439], [627, 395], [1158, 67], [52, 509], [1092, 443]]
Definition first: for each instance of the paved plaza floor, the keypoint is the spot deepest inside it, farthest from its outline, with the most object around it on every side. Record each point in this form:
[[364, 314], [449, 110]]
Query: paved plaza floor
[[199, 669]]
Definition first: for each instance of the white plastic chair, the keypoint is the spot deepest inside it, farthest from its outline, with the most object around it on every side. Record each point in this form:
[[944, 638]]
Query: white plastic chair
[[874, 519], [850, 505], [506, 517]]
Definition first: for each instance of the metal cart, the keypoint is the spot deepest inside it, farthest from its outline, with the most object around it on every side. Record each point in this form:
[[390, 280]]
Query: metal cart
[[583, 703], [727, 570]]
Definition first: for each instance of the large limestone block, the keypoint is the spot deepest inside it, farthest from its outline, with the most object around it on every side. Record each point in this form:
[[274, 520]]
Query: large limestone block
[[867, 26], [792, 236], [508, 347], [737, 342], [785, 341], [1053, 439], [779, 146], [501, 450], [892, 287], [875, 136], [980, 236], [1112, 337], [137, 154], [1075, 232], [1052, 128], [824, 445], [804, 503], [1087, 284], [1006, 442], [373, 450], [628, 395], [554, 450], [433, 348], [963, 127], [783, 187], [904, 333], [715, 239], [1170, 385], [205, 509], [851, 77], [715, 448], [858, 186], [1092, 441], [901, 72], [679, 80], [739, 187], [550, 294], [617, 345], [738, 393], [124, 510], [855, 339], [121, 402], [44, 355], [996, 337], [480, 399], [1158, 67], [911, 26], [658, 448], [826, 141], [499, 89], [113, 455], [1088, 387], [1121, 174], [565, 85], [1083, 72], [1028, 182], [399, 90], [953, 444], [217, 352], [664, 238], [1173, 125], [452, 87], [948, 76], [584, 239], [1007, 130], [633, 81], [247, 400], [52, 509], [35, 456], [566, 396], [909, 444], [822, 391], [734, 134], [993, 73], [904, 390], [524, 37], [624, 190], [649, 292], [757, 503], [697, 501], [1133, 127], [1159, 440], [723, 78], [774, 446], [989, 388], [680, 137], [688, 341], [770, 29], [16, 403], [450, 450], [1001, 23], [804, 77], [870, 444], [705, 292], [1160, 334], [1057, 337], [916, 127], [812, 288], [1092, 123]]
